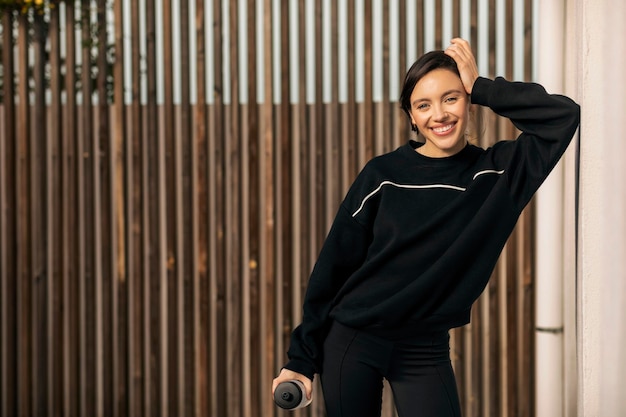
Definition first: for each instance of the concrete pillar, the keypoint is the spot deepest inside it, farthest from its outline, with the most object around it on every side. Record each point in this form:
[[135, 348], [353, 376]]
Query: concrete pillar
[[602, 209]]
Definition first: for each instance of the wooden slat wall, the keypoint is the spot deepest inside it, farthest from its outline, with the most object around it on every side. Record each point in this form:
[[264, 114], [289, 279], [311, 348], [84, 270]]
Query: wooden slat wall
[[154, 252]]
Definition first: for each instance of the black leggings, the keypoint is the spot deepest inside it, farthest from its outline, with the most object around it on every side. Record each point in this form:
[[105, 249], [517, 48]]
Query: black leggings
[[418, 370]]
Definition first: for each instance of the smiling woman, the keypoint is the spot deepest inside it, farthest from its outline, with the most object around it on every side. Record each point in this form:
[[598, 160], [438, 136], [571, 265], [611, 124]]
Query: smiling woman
[[417, 238]]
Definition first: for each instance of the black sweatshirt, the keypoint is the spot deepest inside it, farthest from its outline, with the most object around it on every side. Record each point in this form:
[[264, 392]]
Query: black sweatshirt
[[416, 238]]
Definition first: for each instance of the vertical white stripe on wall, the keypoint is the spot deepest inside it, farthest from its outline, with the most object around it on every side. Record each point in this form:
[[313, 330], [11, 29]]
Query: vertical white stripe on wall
[[242, 49], [143, 89], [193, 47], [429, 26], [483, 38], [260, 54], [342, 48], [446, 24], [500, 38], [518, 40], [175, 13], [465, 14], [294, 52], [359, 74], [310, 51], [225, 52], [210, 53], [127, 40], [377, 50], [411, 27], [327, 58], [394, 67], [276, 51], [158, 38]]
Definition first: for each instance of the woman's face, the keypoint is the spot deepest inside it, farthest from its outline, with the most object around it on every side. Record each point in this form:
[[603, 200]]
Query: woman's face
[[440, 110]]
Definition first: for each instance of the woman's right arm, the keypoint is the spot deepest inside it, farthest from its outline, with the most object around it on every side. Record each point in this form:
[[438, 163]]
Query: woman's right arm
[[343, 252]]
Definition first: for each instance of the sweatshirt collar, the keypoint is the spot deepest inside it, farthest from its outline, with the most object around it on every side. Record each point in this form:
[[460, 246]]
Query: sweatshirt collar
[[411, 150]]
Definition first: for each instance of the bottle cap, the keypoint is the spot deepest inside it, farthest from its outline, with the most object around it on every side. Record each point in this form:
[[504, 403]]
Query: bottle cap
[[288, 395]]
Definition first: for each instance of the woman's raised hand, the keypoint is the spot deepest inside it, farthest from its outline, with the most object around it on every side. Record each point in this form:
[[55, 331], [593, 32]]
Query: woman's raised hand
[[461, 51]]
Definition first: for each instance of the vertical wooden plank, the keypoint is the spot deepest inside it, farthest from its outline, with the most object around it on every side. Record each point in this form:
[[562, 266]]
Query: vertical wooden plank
[[456, 18], [473, 23], [169, 310], [281, 166], [419, 30], [38, 200], [475, 392], [135, 163], [187, 243], [244, 308], [402, 131], [526, 313], [200, 216], [232, 181], [526, 287], [283, 175], [72, 229], [155, 278], [255, 366], [89, 200], [120, 322], [366, 109], [103, 147], [54, 223], [331, 123], [185, 279], [217, 216], [384, 113], [272, 325], [348, 110], [8, 234], [24, 277]]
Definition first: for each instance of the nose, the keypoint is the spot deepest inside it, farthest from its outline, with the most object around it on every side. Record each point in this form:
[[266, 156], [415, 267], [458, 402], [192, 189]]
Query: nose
[[439, 113]]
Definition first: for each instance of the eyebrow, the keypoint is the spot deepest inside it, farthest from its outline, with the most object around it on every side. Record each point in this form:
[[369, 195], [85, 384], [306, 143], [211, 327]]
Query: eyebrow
[[443, 95]]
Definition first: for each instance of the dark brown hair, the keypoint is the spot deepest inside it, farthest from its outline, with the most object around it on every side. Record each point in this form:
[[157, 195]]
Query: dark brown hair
[[426, 63]]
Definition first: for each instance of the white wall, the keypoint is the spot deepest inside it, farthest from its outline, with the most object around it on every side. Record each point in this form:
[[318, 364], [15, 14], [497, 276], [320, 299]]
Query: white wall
[[602, 216]]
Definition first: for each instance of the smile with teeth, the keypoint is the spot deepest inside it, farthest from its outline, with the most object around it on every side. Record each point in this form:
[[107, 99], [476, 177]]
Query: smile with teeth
[[443, 129]]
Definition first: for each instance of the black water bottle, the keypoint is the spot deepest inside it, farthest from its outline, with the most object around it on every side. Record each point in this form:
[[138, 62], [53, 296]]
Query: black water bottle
[[290, 395]]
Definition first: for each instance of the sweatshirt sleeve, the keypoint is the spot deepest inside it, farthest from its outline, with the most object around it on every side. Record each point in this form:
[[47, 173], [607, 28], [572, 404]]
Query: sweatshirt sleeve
[[342, 253], [547, 123]]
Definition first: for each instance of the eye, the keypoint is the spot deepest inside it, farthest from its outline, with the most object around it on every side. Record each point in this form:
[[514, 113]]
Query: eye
[[451, 99], [421, 106]]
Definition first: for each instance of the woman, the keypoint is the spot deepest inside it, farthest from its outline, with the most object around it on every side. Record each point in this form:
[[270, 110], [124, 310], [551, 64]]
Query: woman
[[417, 237]]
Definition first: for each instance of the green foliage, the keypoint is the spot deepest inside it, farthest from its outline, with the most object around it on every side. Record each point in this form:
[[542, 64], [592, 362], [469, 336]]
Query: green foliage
[[23, 6], [38, 30]]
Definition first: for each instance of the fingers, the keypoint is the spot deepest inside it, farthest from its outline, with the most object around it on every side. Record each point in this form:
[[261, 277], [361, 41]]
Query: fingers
[[461, 51]]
